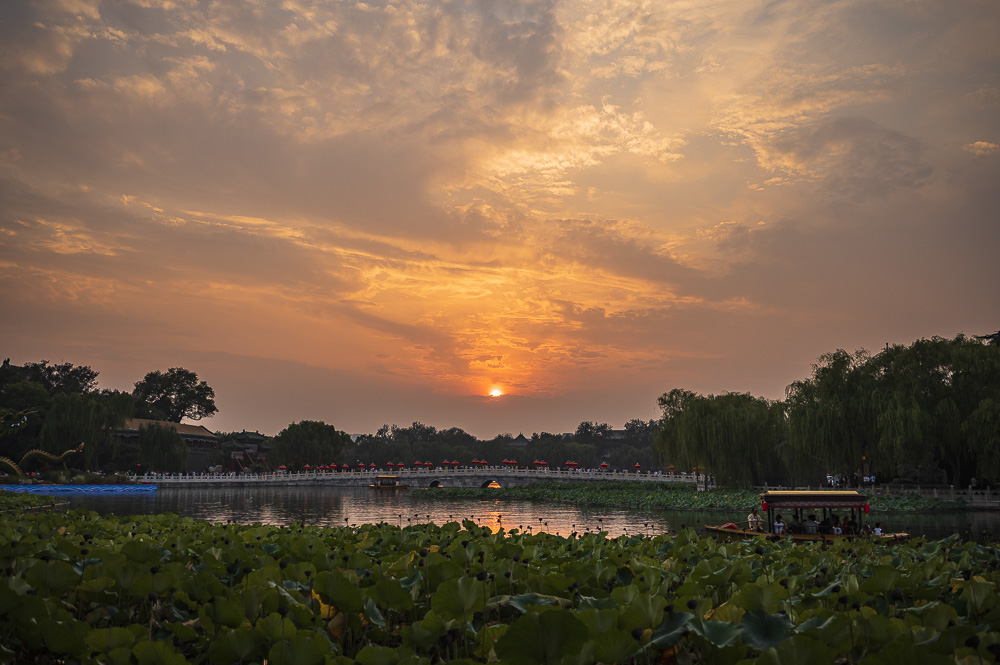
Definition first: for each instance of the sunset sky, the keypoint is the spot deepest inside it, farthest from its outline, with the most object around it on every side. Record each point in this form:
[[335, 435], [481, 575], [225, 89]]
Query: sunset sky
[[380, 212]]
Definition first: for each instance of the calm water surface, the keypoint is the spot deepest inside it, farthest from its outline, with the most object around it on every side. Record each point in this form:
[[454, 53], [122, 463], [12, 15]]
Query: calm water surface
[[330, 506]]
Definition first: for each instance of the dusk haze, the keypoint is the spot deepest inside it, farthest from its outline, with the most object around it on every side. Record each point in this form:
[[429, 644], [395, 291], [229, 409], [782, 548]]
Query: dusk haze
[[502, 216]]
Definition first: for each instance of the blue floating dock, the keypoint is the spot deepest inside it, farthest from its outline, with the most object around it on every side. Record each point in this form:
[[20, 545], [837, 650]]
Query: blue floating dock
[[80, 489]]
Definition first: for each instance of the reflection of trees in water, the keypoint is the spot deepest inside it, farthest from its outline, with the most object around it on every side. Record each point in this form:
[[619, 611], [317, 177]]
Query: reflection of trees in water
[[331, 507]]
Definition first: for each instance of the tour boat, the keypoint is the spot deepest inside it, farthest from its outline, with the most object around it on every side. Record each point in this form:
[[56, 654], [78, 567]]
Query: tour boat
[[796, 507], [385, 482]]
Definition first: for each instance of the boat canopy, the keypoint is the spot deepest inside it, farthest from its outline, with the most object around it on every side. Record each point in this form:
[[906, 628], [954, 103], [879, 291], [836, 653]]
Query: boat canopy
[[788, 499]]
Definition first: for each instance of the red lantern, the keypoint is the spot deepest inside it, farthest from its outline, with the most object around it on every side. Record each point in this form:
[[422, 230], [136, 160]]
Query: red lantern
[[867, 509], [764, 506]]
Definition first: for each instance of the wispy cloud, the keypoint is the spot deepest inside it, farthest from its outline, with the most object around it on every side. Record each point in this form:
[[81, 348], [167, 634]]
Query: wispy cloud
[[543, 194]]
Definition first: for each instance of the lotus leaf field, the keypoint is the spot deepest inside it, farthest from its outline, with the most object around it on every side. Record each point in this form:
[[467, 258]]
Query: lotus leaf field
[[672, 496], [77, 587]]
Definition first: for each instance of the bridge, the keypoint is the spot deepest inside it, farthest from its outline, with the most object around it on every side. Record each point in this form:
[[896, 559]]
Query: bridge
[[425, 478]]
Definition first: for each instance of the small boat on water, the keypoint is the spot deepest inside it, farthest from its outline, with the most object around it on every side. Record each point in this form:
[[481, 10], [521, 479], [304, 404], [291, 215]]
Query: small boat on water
[[807, 516], [386, 482]]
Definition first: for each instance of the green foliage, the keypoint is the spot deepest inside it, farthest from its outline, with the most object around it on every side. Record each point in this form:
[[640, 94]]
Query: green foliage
[[174, 395], [308, 442], [90, 418], [161, 448], [735, 437], [161, 589], [906, 411], [62, 378]]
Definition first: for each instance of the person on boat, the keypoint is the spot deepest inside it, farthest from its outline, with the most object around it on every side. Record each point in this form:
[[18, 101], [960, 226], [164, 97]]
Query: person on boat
[[878, 528], [779, 525], [825, 526], [754, 521], [851, 526], [795, 526], [811, 526], [838, 528]]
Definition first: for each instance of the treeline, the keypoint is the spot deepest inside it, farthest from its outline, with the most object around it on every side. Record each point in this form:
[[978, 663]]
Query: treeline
[[591, 444], [55, 407], [928, 412]]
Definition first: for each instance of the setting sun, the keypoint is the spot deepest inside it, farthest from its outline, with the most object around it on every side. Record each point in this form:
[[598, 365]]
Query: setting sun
[[496, 392]]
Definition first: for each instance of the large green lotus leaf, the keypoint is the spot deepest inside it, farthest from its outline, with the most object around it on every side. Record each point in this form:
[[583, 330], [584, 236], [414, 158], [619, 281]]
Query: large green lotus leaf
[[797, 650], [374, 614], [487, 638], [934, 614], [235, 646], [305, 648], [599, 621], [762, 630], [182, 631], [443, 570], [259, 600], [419, 637], [904, 651], [670, 631], [555, 583], [625, 595], [979, 593], [106, 639], [223, 612], [336, 590], [263, 577], [157, 653], [717, 633], [392, 595], [613, 646], [715, 572], [9, 599], [881, 580], [624, 576], [82, 565], [119, 656], [275, 627], [412, 581], [761, 597], [57, 576], [459, 599], [95, 589], [376, 655], [834, 630], [541, 637], [142, 552], [63, 633], [924, 635], [728, 612], [645, 611], [31, 616]]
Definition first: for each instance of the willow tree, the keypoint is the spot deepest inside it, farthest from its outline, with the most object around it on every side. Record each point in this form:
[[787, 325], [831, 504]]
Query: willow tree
[[833, 416], [90, 418], [161, 448], [938, 406], [907, 411], [736, 437]]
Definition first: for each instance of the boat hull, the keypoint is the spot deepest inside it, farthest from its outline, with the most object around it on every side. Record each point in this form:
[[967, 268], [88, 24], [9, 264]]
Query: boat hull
[[725, 533]]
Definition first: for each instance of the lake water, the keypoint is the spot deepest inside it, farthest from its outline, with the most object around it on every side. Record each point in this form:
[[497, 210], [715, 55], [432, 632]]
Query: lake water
[[330, 506]]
